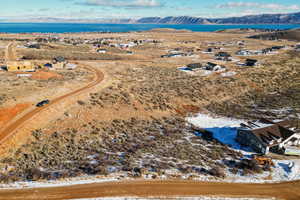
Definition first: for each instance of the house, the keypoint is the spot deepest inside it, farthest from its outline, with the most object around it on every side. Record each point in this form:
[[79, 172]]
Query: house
[[250, 62], [277, 47], [59, 62], [213, 67], [126, 46], [20, 66], [173, 55], [265, 135], [70, 66], [224, 56], [208, 50], [33, 45], [194, 66], [243, 53], [267, 50], [101, 51]]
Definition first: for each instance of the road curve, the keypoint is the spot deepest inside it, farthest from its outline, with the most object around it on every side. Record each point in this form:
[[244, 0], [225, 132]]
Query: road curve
[[286, 191], [9, 131]]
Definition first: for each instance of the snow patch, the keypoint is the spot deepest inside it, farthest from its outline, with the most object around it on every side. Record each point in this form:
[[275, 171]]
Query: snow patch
[[58, 183], [223, 129]]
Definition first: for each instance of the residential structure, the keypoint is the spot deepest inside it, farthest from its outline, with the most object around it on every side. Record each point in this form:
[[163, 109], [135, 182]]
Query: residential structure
[[194, 66], [20, 66], [103, 51], [265, 135], [224, 56], [59, 62], [250, 62]]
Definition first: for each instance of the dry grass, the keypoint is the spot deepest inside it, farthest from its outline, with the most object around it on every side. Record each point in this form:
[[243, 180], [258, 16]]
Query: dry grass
[[50, 54], [132, 146]]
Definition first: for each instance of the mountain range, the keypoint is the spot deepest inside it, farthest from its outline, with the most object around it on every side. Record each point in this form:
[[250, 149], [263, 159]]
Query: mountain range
[[291, 18]]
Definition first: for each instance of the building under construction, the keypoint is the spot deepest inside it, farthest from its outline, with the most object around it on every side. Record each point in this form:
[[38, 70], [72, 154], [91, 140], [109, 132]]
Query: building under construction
[[20, 66], [265, 135]]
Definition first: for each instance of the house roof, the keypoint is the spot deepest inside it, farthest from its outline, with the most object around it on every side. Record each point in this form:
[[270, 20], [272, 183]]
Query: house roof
[[194, 65], [251, 61], [223, 54], [267, 131], [59, 59]]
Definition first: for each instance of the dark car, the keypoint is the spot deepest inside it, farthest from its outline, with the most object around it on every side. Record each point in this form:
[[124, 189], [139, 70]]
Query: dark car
[[42, 103]]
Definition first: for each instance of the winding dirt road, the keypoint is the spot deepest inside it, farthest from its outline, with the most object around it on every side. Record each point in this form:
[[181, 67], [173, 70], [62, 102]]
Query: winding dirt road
[[286, 191], [9, 130]]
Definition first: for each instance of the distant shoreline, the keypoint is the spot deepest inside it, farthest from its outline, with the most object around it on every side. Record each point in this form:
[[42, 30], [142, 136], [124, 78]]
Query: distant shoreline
[[59, 28]]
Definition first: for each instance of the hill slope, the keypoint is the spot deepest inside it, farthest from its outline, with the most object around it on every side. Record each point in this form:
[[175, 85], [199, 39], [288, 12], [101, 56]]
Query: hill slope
[[292, 18], [288, 35]]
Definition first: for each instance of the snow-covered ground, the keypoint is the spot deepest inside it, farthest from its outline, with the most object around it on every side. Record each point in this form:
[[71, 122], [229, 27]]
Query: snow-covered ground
[[57, 183], [225, 130]]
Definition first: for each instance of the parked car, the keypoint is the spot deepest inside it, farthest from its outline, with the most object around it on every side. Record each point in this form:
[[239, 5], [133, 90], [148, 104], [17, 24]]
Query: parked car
[[42, 103]]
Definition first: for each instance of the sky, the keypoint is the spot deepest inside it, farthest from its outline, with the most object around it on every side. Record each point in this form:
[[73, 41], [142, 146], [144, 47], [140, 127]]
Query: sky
[[26, 10]]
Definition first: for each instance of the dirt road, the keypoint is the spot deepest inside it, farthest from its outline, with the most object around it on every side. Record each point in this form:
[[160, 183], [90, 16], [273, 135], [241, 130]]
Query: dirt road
[[287, 191], [8, 131]]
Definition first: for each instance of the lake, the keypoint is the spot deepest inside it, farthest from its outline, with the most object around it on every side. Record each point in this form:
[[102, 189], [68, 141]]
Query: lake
[[76, 27]]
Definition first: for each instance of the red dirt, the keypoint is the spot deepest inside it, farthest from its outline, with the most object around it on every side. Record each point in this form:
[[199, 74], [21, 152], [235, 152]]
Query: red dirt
[[43, 75], [6, 114]]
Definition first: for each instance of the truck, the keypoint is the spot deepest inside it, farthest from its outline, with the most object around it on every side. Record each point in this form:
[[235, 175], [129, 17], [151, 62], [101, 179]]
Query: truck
[[43, 103]]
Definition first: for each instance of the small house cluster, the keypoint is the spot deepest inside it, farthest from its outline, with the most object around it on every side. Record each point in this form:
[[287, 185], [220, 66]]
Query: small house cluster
[[29, 66]]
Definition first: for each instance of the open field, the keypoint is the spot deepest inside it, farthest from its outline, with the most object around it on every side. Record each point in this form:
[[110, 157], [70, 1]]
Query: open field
[[134, 122]]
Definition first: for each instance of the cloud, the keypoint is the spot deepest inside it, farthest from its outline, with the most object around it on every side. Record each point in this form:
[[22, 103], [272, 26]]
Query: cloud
[[270, 6], [123, 3]]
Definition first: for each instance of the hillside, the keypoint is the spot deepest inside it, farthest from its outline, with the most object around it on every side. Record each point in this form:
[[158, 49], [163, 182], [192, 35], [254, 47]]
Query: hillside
[[288, 35], [292, 18]]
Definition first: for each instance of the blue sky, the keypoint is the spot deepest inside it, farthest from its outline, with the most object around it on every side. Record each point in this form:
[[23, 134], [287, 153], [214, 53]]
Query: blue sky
[[93, 9]]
